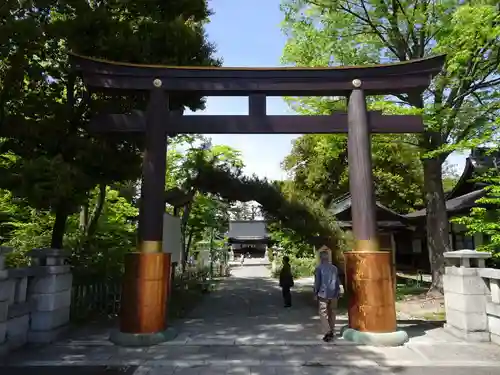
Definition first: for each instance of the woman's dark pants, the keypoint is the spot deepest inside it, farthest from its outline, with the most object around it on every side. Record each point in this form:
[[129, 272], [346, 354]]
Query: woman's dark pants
[[287, 296]]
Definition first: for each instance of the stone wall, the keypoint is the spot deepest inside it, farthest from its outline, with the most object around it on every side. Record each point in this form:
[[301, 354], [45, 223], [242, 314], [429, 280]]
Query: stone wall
[[34, 301], [472, 296]]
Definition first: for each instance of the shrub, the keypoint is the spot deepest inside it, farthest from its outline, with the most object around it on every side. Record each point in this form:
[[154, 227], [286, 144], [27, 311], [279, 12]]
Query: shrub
[[270, 254], [301, 267]]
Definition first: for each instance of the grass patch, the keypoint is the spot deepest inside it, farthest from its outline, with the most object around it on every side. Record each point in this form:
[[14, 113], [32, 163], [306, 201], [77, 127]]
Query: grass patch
[[408, 287], [406, 290], [439, 316]]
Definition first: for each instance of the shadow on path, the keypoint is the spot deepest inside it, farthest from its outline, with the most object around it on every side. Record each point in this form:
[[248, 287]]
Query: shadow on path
[[251, 309], [242, 328]]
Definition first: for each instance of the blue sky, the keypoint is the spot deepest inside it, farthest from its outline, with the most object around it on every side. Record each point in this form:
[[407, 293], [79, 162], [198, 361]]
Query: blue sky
[[247, 33]]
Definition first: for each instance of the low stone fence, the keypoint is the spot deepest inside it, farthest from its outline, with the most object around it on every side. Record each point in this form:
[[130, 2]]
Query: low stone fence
[[472, 296], [35, 300]]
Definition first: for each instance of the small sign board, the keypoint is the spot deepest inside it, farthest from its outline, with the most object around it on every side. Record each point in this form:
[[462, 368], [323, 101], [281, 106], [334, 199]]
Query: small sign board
[[172, 237]]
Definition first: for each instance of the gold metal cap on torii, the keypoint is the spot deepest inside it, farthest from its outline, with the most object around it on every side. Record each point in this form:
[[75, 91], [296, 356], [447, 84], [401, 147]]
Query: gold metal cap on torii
[[371, 245], [150, 247]]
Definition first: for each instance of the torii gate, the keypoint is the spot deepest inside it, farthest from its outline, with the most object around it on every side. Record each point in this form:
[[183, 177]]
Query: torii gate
[[368, 270]]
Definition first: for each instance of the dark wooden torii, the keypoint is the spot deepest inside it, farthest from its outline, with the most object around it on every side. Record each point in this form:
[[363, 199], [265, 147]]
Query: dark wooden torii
[[368, 270]]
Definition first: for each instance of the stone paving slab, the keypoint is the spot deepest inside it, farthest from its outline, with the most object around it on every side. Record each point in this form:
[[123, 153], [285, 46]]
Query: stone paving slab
[[459, 352], [249, 370], [81, 370], [242, 328], [274, 356], [312, 370]]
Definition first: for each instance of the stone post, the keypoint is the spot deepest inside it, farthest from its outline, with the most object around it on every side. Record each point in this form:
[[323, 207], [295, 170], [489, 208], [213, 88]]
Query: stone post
[[492, 277], [6, 295], [465, 294], [51, 292]]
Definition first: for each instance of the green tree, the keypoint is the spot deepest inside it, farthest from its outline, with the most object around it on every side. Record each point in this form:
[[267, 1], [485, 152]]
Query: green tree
[[53, 161], [209, 213], [318, 165], [461, 102], [204, 209], [287, 207], [485, 218], [244, 210], [101, 254], [450, 176]]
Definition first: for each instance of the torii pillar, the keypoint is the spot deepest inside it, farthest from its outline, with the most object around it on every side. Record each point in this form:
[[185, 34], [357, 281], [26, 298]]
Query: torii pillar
[[372, 311], [369, 279], [147, 279]]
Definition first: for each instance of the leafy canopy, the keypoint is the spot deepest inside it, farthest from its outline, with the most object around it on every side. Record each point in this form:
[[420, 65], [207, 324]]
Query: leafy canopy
[[318, 165], [359, 32], [49, 158]]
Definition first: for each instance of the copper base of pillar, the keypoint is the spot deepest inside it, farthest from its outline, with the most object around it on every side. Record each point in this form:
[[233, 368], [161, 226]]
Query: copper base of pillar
[[144, 293], [370, 289]]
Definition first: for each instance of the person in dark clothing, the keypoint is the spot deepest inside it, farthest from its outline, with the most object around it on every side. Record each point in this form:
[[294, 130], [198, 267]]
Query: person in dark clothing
[[286, 281]]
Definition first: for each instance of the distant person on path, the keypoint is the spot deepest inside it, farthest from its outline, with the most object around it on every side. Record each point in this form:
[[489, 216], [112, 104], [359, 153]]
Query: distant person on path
[[327, 291], [286, 281], [242, 259]]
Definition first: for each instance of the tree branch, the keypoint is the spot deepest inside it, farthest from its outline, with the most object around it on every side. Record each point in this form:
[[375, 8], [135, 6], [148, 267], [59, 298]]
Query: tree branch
[[96, 213], [367, 21]]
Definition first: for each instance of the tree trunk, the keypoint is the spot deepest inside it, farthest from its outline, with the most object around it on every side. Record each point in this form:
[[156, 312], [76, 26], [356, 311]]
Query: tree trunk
[[185, 250], [438, 233], [59, 228], [188, 243], [185, 216], [184, 220], [84, 217], [96, 214]]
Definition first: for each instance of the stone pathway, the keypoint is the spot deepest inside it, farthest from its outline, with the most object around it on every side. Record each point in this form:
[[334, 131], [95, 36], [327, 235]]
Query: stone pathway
[[243, 329]]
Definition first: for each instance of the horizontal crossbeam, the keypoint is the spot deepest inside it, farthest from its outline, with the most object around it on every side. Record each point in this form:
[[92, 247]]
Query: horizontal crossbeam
[[241, 87], [287, 124], [395, 78]]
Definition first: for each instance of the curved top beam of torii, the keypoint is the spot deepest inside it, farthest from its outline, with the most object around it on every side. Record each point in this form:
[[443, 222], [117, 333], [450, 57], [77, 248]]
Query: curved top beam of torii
[[394, 78]]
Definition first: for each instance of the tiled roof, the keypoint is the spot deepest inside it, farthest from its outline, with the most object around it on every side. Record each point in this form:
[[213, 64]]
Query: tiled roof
[[456, 204], [344, 203]]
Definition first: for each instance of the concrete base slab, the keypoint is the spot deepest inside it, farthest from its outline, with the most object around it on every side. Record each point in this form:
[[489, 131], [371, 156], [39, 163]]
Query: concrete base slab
[[495, 339], [142, 339], [475, 336], [4, 349], [46, 337], [397, 338]]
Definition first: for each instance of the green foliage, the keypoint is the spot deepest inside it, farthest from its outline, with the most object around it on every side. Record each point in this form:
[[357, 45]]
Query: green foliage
[[289, 240], [318, 164], [485, 219], [304, 216], [462, 102], [44, 112], [204, 212], [450, 177], [22, 228], [244, 211], [301, 267], [213, 175], [270, 254], [27, 235], [101, 256]]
